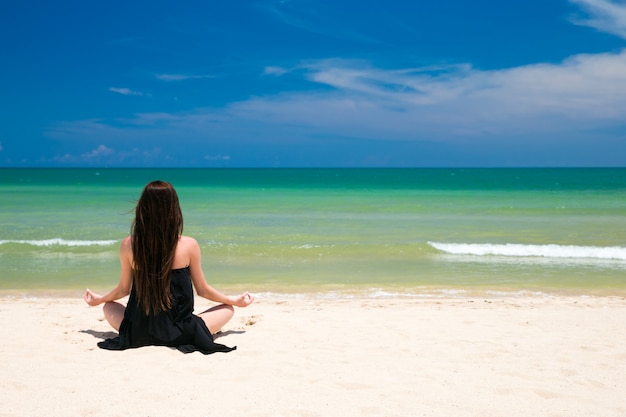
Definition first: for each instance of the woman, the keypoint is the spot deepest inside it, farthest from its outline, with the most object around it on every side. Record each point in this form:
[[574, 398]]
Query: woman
[[158, 267]]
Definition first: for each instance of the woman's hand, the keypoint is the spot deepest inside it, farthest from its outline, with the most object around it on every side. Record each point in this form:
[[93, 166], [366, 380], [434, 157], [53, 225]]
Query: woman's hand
[[92, 298], [243, 300]]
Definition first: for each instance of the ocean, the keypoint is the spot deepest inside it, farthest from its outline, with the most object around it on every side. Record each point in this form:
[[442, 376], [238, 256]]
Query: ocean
[[331, 232]]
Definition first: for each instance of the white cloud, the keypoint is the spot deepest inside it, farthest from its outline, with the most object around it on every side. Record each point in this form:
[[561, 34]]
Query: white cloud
[[64, 159], [582, 93], [94, 155], [604, 15], [126, 92], [109, 156], [181, 77], [98, 152], [274, 70], [213, 158]]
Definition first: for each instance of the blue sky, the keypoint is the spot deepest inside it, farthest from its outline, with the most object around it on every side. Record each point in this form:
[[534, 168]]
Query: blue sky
[[313, 83]]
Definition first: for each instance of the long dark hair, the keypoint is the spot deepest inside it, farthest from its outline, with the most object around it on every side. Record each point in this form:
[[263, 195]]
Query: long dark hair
[[155, 232]]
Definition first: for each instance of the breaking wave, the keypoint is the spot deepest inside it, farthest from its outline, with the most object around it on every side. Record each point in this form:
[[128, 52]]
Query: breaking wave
[[60, 242], [521, 250]]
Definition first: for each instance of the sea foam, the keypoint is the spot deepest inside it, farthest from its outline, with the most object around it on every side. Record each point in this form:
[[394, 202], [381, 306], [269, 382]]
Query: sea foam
[[522, 250], [60, 242]]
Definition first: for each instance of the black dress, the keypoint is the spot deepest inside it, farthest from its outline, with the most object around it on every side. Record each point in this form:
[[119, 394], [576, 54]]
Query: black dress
[[178, 327]]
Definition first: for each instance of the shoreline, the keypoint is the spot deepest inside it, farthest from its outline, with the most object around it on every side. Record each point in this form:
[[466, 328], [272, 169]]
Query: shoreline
[[342, 292], [512, 356]]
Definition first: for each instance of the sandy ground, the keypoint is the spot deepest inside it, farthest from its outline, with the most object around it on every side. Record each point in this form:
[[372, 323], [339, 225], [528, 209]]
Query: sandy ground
[[517, 356]]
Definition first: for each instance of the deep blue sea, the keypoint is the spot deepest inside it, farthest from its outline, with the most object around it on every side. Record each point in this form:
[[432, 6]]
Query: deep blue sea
[[333, 232]]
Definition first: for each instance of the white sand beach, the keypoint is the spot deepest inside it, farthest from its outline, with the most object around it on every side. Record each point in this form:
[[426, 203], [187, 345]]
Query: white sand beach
[[510, 356]]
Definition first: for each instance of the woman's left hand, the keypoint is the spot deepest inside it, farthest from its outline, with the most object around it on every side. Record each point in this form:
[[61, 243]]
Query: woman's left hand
[[92, 298]]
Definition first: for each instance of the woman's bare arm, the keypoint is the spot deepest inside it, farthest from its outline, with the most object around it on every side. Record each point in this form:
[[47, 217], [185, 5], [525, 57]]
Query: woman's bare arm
[[123, 287], [199, 281]]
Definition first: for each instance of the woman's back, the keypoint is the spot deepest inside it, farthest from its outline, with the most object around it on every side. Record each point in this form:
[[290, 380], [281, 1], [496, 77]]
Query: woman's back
[[176, 327], [159, 269]]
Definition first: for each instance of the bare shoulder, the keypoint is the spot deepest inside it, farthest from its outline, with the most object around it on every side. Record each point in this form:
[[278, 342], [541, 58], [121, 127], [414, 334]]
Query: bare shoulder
[[188, 245], [187, 251], [126, 250], [187, 241], [126, 245]]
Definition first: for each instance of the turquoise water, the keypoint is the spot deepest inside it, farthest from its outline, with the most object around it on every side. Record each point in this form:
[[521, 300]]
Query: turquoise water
[[411, 232]]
